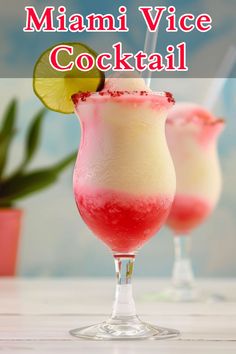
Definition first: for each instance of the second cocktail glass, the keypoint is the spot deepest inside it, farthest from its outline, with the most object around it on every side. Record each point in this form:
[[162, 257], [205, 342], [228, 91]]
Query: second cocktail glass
[[192, 135], [124, 185]]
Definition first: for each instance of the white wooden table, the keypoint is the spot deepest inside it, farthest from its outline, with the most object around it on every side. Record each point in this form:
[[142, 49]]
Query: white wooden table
[[35, 316]]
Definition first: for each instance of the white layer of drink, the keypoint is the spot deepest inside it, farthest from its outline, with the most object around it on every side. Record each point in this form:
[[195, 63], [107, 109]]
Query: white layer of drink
[[125, 142]]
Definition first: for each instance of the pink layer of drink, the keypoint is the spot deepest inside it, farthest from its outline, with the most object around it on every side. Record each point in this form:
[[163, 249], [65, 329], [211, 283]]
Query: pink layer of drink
[[124, 222], [187, 212]]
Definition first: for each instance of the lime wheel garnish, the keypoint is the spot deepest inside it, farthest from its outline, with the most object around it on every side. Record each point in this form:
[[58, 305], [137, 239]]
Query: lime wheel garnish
[[55, 88]]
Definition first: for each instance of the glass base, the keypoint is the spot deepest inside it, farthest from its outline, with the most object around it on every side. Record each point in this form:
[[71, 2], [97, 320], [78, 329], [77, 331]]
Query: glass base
[[124, 328]]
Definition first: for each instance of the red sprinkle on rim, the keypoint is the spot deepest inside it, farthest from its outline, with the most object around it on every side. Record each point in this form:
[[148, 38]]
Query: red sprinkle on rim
[[170, 97], [82, 96], [187, 113]]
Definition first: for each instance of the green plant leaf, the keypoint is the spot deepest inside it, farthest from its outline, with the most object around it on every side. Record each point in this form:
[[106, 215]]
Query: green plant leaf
[[9, 118], [23, 185], [20, 186], [32, 141], [60, 166], [6, 134], [33, 137]]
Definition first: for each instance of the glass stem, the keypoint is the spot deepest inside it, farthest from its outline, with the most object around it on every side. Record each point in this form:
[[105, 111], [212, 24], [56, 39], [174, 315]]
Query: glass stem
[[182, 276], [124, 305]]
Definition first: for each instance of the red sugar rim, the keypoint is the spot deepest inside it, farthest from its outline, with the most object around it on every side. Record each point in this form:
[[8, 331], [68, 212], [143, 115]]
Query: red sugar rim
[[82, 96]]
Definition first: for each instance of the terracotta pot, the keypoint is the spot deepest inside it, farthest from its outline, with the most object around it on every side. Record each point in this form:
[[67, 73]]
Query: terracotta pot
[[10, 227]]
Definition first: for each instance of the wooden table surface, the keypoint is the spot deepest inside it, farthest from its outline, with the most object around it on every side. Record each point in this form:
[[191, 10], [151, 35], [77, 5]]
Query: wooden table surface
[[35, 316]]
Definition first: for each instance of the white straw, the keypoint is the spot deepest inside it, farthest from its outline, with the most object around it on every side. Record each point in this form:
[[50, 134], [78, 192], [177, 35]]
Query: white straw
[[149, 48], [222, 75]]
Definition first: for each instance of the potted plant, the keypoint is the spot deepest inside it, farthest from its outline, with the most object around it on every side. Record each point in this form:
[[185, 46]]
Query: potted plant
[[20, 183]]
